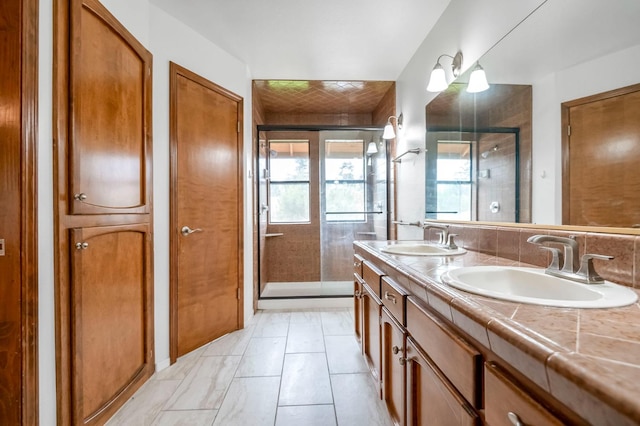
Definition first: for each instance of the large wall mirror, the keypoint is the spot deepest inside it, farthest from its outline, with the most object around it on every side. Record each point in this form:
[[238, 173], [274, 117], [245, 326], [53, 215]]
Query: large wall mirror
[[503, 155]]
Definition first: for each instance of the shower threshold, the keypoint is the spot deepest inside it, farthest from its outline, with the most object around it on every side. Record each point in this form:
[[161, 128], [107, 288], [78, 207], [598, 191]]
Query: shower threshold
[[308, 289]]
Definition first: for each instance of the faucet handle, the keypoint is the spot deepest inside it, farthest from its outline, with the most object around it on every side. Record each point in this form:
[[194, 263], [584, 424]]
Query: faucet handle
[[588, 272], [451, 244], [556, 258]]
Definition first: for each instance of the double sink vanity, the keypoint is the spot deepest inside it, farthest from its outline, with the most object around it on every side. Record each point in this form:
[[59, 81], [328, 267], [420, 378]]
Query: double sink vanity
[[463, 336]]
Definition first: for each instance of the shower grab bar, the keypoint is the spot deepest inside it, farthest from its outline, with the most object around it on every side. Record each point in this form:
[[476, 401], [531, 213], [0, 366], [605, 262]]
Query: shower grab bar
[[401, 222], [410, 151], [375, 212]]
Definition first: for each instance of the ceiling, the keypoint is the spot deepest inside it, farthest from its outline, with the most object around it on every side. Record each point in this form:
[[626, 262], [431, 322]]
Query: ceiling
[[313, 40], [321, 97]]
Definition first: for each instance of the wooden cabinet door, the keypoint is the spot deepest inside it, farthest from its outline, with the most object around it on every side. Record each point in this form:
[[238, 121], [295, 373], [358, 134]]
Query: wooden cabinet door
[[431, 399], [109, 114], [393, 367], [371, 309], [111, 311]]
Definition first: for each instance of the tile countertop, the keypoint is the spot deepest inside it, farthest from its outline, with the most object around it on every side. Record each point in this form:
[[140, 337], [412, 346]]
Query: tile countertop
[[588, 359]]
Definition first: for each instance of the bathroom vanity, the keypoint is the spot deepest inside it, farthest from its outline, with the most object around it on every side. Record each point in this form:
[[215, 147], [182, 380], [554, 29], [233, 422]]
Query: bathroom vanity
[[444, 356]]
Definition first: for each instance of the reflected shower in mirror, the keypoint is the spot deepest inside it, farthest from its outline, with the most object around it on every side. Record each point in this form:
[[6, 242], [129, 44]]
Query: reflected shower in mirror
[[482, 170]]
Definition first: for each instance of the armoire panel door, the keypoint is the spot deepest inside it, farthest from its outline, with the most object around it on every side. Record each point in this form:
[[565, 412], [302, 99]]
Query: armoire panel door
[[111, 299], [110, 113]]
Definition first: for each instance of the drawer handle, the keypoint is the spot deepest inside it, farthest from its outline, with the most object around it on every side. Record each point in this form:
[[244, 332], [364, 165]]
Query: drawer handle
[[389, 296], [514, 419]]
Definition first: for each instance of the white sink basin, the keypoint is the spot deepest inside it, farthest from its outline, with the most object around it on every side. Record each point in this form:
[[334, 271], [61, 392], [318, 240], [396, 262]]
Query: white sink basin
[[421, 249], [531, 285]]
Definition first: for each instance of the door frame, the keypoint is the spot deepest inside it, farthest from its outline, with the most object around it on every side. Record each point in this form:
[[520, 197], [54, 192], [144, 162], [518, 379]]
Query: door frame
[[176, 70], [29, 59]]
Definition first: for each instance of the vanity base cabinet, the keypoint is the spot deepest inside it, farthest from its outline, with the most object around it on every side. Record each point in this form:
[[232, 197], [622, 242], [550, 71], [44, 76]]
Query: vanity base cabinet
[[393, 367], [431, 399], [506, 403]]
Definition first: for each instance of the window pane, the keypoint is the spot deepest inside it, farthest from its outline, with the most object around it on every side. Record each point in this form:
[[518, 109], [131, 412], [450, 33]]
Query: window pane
[[345, 197], [289, 160], [289, 202], [454, 161], [454, 201], [344, 160]]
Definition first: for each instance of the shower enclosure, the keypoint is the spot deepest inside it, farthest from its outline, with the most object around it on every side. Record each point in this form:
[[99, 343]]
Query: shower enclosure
[[318, 191]]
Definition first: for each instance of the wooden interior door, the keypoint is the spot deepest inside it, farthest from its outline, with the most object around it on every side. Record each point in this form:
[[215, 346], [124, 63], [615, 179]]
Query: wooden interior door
[[206, 211], [18, 233], [601, 178]]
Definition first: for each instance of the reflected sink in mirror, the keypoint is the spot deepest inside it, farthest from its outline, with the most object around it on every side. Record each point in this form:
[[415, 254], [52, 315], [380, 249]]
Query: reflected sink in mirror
[[533, 286], [421, 249]]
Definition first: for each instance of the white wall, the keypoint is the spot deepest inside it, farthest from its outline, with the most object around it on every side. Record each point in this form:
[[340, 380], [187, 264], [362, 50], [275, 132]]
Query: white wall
[[168, 40], [468, 26]]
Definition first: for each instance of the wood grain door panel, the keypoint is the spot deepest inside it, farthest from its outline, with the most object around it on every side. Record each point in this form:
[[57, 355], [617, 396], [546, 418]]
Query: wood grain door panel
[[110, 88], [207, 197], [601, 175], [110, 286]]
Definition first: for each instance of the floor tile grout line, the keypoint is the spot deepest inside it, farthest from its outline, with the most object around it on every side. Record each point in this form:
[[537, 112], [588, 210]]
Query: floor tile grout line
[[284, 357]]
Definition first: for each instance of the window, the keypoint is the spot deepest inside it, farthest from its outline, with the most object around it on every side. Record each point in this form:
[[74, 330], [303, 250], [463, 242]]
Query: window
[[289, 181], [344, 184], [454, 180]]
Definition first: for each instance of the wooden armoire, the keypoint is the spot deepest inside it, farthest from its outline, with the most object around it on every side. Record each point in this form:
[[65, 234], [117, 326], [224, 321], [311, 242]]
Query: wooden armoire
[[103, 212]]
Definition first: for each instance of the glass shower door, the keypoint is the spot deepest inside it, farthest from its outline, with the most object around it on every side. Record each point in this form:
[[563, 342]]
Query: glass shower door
[[353, 192]]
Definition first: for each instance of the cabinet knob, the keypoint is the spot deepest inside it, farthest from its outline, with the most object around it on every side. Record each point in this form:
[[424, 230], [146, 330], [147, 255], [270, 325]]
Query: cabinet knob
[[395, 350], [514, 419], [357, 264], [357, 294], [82, 246], [403, 361], [80, 197]]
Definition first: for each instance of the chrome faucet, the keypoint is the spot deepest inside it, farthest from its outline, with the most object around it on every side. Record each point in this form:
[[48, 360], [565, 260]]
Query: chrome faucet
[[572, 267], [446, 239]]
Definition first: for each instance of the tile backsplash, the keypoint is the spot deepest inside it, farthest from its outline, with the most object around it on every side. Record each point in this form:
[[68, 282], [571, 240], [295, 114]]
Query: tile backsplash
[[511, 243]]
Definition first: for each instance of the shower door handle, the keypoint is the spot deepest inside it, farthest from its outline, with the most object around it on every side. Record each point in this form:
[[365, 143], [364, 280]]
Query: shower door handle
[[186, 231]]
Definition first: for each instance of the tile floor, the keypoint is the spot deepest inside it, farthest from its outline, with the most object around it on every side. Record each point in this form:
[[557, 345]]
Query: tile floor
[[298, 367]]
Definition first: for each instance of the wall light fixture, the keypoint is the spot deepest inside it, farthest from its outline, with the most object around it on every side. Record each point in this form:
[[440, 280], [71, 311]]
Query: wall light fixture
[[477, 80], [389, 132], [438, 79]]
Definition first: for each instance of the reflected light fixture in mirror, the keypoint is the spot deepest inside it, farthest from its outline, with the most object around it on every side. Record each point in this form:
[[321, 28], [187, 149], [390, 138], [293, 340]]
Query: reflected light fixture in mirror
[[438, 78], [389, 133], [477, 80], [372, 148]]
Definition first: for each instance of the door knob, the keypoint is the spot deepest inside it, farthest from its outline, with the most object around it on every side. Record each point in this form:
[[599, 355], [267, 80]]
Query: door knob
[[188, 231]]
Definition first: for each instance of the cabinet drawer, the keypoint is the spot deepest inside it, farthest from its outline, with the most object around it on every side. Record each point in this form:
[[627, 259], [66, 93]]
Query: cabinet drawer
[[506, 403], [371, 276], [393, 298], [357, 264], [458, 360]]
